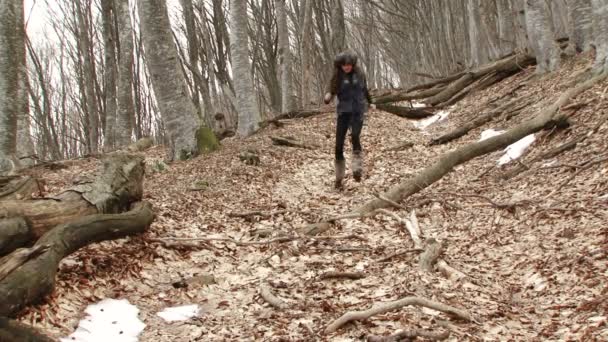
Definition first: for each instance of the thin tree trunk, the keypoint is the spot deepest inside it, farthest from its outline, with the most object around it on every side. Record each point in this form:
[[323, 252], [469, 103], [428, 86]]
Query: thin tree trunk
[[306, 53], [284, 57], [600, 32], [9, 84], [125, 115], [25, 145], [110, 71], [506, 27], [246, 98]]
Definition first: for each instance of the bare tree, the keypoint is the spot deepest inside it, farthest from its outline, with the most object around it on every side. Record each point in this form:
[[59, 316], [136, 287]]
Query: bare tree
[[600, 33], [9, 83], [284, 57], [542, 38], [187, 137], [247, 104], [25, 145], [110, 71], [125, 106], [306, 44], [580, 20]]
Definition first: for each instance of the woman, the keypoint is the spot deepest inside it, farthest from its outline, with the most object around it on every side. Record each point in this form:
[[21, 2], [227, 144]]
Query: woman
[[348, 83]]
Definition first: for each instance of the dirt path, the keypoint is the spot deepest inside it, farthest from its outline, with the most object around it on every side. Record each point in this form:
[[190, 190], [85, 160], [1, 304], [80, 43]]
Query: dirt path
[[538, 273]]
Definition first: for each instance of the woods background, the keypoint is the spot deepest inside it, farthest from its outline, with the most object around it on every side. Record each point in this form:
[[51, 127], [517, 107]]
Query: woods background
[[100, 74]]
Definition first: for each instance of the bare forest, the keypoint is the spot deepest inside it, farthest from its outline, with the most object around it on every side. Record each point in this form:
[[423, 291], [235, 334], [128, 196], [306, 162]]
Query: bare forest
[[167, 170]]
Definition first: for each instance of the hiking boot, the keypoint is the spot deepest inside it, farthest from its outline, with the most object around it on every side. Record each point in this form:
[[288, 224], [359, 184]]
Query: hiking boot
[[340, 166], [357, 166]]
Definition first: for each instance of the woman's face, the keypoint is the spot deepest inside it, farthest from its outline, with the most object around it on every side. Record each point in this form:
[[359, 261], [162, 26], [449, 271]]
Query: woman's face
[[347, 68]]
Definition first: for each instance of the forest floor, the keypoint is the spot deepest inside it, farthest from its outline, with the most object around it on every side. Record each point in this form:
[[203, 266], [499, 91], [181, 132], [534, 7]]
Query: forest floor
[[537, 270]]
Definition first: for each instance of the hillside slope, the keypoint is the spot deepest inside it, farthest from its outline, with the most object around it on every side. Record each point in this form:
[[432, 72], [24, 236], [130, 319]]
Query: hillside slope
[[534, 247]]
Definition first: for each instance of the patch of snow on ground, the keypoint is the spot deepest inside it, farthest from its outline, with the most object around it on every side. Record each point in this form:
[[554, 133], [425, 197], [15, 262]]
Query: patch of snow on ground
[[418, 104], [516, 150], [489, 133], [109, 320], [179, 313], [513, 151], [440, 116]]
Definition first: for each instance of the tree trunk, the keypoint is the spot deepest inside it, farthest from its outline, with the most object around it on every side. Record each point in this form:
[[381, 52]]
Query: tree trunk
[[284, 57], [9, 84], [559, 16], [25, 145], [306, 53], [479, 50], [246, 98], [600, 32], [338, 27], [542, 38], [108, 16], [187, 137], [580, 18], [193, 54], [125, 113], [506, 27]]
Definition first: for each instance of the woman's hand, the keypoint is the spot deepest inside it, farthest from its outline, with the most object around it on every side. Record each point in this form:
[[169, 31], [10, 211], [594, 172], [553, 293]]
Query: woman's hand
[[327, 98], [372, 106]]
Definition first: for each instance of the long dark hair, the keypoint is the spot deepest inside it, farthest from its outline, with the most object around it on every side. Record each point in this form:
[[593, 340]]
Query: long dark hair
[[341, 59]]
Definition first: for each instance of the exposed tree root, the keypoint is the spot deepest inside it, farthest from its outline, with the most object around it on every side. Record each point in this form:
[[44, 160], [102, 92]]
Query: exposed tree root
[[271, 299], [400, 147], [35, 279], [14, 233], [386, 307], [348, 275], [12, 261], [411, 335], [17, 187], [12, 331], [431, 254]]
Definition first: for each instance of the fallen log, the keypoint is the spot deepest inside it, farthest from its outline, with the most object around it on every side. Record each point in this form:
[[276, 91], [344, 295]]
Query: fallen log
[[407, 96], [141, 145], [478, 122], [14, 233], [291, 142], [35, 279], [119, 184], [389, 306], [271, 299], [451, 90], [406, 112], [17, 187], [13, 331], [547, 118], [431, 254]]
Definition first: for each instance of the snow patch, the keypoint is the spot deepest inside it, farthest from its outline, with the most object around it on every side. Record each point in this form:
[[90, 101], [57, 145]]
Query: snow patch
[[440, 116], [114, 320], [418, 104], [179, 313], [516, 150], [513, 151], [490, 133]]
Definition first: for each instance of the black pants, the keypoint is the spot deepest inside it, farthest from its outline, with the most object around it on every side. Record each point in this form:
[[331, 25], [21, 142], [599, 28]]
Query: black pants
[[354, 121]]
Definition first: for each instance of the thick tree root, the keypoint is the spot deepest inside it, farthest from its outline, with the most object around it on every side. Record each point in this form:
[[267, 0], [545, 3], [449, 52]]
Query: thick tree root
[[17, 187], [14, 233], [12, 331], [406, 112], [291, 142], [386, 307], [407, 335], [271, 299], [35, 279]]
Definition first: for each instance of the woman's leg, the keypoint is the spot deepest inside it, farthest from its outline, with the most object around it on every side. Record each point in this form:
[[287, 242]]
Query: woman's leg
[[356, 127], [342, 124]]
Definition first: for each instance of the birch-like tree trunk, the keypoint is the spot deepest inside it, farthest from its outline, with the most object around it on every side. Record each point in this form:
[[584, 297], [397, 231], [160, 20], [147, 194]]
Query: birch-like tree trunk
[[479, 50], [187, 137], [284, 57], [306, 54], [110, 71], [541, 36], [9, 84], [125, 114], [338, 27], [506, 26], [600, 34], [25, 145], [246, 98], [580, 20]]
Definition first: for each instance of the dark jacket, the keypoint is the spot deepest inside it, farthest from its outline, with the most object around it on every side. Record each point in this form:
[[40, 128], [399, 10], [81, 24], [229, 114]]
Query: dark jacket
[[350, 89]]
